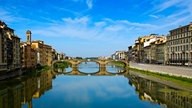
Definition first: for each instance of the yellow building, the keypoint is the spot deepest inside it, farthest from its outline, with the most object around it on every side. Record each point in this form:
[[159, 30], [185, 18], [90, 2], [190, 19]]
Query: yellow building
[[44, 52], [147, 49]]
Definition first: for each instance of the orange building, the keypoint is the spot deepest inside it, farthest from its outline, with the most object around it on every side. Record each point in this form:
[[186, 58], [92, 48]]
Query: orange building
[[44, 52]]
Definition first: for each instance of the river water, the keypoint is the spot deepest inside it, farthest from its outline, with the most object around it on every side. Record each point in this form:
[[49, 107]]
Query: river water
[[91, 88]]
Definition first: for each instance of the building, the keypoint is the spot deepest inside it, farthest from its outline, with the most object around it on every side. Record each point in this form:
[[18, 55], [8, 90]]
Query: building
[[179, 44], [61, 56], [54, 54], [149, 49], [44, 53], [130, 53], [119, 55], [48, 54], [161, 51], [10, 59], [141, 45], [105, 57], [35, 53], [29, 54]]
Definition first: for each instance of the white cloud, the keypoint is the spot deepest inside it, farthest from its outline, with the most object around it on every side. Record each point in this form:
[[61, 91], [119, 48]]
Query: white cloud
[[83, 20], [177, 14], [115, 28], [84, 28], [167, 19], [10, 17], [7, 16], [173, 22], [139, 24], [89, 3], [154, 16], [75, 92], [163, 6], [100, 24], [128, 23]]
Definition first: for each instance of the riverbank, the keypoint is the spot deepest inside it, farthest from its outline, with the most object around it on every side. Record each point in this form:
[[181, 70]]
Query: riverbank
[[119, 64], [184, 72], [37, 70], [19, 72]]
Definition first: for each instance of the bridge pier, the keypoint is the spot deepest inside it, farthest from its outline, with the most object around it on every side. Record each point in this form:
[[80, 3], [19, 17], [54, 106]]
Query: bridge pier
[[102, 69], [74, 67]]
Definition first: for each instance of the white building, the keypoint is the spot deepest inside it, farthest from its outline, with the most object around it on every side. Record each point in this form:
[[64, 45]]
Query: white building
[[119, 55]]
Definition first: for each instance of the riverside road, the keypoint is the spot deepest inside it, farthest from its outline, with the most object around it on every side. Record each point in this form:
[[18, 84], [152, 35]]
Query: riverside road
[[164, 69]]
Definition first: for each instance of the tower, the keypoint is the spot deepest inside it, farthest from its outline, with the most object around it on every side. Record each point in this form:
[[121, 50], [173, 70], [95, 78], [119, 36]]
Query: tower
[[28, 34]]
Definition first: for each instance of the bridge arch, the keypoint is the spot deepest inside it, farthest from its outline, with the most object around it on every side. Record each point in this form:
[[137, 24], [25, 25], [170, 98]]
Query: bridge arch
[[102, 63], [106, 73]]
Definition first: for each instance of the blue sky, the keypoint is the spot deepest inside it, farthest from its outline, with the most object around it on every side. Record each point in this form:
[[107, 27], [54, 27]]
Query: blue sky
[[93, 27]]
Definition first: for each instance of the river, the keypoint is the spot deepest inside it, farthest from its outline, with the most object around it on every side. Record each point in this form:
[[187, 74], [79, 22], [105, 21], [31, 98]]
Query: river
[[91, 88]]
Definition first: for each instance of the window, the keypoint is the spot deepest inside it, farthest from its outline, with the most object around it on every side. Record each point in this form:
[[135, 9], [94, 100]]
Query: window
[[186, 47], [191, 46], [190, 28], [186, 56]]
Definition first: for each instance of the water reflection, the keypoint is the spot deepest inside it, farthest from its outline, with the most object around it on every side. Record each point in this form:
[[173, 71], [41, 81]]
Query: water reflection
[[114, 69], [89, 67], [167, 94], [63, 70], [19, 91], [104, 91], [102, 71]]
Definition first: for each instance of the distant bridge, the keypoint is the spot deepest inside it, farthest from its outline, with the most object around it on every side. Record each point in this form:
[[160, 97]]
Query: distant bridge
[[102, 63], [99, 73]]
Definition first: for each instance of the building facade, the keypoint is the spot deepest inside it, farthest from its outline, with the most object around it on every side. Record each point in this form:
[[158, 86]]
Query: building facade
[[119, 55], [179, 46], [29, 54], [149, 49], [44, 53], [10, 59]]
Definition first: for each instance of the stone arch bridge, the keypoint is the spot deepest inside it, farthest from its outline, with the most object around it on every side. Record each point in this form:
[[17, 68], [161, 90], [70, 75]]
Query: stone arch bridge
[[102, 63], [99, 73]]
